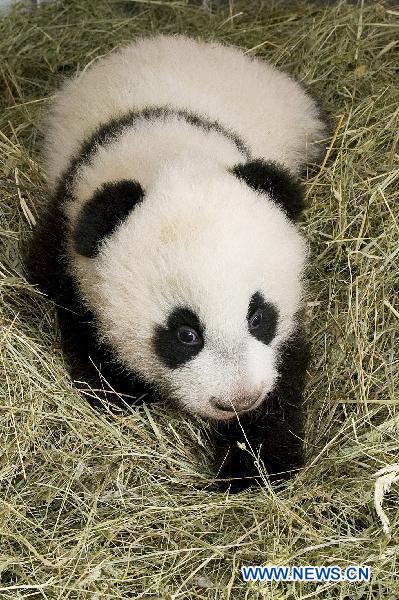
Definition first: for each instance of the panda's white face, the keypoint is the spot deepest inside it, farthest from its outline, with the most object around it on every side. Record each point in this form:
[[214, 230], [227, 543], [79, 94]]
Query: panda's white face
[[198, 287]]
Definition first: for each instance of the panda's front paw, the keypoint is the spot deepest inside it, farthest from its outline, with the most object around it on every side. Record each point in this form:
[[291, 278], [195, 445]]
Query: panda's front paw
[[236, 468]]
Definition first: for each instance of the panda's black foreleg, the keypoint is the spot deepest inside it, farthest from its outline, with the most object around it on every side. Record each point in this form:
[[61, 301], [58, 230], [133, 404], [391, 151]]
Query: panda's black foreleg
[[92, 366], [270, 437], [271, 441]]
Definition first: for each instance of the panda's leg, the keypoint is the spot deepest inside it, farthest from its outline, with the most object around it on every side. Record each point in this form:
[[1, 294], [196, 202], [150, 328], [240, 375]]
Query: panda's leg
[[270, 438], [93, 368]]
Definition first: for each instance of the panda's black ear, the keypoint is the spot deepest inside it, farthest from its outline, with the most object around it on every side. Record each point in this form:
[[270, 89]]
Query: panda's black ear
[[275, 180], [103, 213]]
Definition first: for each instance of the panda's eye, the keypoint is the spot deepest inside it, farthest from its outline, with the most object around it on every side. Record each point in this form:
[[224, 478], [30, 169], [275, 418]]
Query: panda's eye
[[188, 336], [262, 318], [256, 319]]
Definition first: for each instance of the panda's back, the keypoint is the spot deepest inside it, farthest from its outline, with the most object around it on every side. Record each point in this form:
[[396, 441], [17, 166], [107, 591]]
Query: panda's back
[[266, 108]]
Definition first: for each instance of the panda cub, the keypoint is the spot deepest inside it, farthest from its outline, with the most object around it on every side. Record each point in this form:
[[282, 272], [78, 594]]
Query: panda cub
[[169, 243]]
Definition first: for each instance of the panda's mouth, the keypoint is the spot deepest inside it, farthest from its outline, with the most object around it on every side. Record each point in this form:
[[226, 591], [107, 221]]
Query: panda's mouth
[[231, 409], [222, 408]]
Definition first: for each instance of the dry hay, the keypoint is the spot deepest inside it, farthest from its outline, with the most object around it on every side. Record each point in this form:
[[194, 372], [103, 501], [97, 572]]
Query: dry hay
[[97, 506]]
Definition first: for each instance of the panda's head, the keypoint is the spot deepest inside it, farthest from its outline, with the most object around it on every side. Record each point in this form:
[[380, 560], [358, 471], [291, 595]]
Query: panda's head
[[195, 278]]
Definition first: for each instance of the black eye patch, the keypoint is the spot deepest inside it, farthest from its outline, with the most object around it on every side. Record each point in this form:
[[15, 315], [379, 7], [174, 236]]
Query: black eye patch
[[262, 318], [103, 213], [167, 340]]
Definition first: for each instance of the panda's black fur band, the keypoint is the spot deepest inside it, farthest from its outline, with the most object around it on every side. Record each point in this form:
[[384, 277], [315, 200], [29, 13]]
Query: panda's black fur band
[[110, 131], [275, 180], [103, 213]]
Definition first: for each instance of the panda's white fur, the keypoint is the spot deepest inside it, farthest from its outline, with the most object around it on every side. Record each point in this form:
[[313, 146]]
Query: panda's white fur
[[201, 238]]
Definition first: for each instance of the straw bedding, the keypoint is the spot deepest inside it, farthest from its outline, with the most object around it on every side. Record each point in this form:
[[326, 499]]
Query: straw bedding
[[96, 505]]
